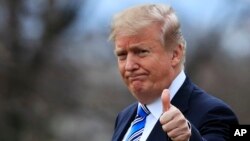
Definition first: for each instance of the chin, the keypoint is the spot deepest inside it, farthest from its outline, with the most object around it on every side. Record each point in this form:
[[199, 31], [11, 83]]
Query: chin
[[138, 91], [145, 100], [143, 96]]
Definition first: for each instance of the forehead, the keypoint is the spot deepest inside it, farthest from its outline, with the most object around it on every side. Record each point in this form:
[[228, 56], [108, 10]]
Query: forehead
[[129, 41], [136, 41], [145, 35]]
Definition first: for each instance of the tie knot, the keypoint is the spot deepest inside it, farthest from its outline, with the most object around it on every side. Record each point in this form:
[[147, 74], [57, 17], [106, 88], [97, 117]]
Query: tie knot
[[143, 111]]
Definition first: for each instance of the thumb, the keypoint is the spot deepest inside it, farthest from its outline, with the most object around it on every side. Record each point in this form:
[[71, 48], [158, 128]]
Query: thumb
[[165, 97]]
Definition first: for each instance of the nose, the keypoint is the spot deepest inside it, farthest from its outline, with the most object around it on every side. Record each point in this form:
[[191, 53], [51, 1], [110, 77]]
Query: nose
[[131, 63]]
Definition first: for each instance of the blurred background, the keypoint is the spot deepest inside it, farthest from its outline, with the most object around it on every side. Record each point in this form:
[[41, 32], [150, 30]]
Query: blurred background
[[58, 75]]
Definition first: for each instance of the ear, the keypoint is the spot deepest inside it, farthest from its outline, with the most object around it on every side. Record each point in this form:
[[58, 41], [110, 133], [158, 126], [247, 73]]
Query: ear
[[177, 55]]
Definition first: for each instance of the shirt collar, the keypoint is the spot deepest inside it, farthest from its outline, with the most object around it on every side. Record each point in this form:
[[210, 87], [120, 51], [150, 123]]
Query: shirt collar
[[156, 107]]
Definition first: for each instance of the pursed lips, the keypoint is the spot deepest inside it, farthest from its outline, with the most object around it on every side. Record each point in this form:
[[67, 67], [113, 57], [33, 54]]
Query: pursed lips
[[136, 77]]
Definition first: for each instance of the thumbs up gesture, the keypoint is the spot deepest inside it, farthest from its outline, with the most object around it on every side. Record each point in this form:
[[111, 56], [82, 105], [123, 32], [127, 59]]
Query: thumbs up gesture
[[165, 97], [173, 121]]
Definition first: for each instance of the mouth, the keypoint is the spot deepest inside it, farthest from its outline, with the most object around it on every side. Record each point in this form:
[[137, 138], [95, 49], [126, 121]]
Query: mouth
[[139, 77]]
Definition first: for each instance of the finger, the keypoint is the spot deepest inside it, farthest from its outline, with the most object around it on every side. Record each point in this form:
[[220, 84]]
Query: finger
[[165, 97], [181, 137], [166, 117]]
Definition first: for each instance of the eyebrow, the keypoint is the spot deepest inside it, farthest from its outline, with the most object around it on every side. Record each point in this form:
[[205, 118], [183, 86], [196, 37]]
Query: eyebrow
[[132, 48], [136, 46], [117, 51]]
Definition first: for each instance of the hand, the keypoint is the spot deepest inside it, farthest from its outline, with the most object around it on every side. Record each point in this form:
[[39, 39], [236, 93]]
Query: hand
[[173, 121]]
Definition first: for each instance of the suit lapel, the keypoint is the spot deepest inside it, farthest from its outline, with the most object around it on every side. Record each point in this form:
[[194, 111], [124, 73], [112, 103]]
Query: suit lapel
[[124, 123], [157, 134], [180, 101]]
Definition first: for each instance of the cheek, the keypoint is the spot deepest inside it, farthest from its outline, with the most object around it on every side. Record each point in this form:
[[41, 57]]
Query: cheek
[[121, 69], [161, 69]]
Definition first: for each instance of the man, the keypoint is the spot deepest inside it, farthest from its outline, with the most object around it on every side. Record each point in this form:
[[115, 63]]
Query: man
[[151, 53]]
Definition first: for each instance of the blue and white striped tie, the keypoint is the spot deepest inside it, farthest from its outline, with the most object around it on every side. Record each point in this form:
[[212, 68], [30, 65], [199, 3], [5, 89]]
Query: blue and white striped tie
[[138, 124]]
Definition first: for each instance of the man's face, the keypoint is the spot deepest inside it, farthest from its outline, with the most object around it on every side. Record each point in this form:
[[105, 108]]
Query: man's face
[[145, 65]]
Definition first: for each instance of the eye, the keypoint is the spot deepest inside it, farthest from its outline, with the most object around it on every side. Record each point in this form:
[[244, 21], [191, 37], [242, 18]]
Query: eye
[[121, 55], [142, 52]]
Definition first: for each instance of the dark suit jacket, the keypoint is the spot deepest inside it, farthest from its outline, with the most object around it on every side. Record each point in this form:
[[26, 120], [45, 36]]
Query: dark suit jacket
[[210, 117]]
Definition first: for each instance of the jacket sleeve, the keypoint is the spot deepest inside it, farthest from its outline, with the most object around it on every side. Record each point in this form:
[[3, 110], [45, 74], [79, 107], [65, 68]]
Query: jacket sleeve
[[215, 125]]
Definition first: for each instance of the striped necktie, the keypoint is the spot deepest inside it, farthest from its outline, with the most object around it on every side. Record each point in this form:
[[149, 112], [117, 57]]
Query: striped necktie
[[138, 124]]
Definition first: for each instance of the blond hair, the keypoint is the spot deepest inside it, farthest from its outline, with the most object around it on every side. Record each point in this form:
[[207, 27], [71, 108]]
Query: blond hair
[[131, 20]]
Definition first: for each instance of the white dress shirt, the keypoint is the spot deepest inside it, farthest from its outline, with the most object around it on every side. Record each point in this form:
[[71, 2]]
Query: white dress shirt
[[155, 108]]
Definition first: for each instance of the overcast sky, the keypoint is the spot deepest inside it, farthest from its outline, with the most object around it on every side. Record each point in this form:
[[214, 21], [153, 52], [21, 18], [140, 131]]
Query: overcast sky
[[201, 15], [200, 12]]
